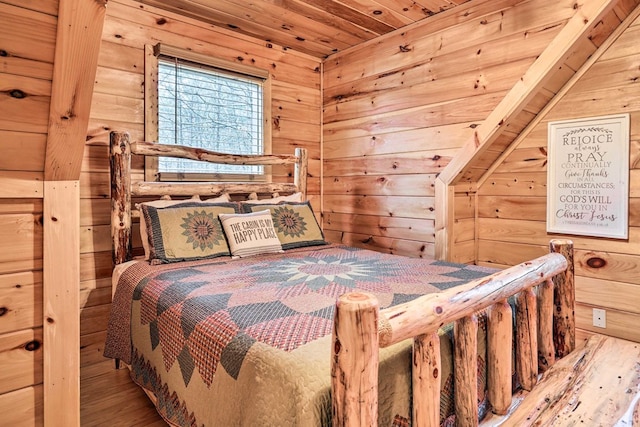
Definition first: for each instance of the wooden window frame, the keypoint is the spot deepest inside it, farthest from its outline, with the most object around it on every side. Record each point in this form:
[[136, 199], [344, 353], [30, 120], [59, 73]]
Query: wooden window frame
[[152, 53]]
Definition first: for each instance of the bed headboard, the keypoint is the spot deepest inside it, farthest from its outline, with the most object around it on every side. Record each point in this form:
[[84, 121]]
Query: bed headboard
[[123, 188]]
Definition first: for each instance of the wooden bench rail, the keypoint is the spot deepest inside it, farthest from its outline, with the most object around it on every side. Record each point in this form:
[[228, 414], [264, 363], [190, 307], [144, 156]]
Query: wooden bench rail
[[355, 370]]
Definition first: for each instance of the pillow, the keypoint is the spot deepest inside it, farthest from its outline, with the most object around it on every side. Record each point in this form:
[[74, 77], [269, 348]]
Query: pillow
[[224, 197], [295, 223], [162, 203], [250, 233], [185, 231], [295, 197]]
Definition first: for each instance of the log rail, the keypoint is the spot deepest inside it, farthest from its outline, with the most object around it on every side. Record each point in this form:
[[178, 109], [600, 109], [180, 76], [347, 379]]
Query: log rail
[[542, 320]]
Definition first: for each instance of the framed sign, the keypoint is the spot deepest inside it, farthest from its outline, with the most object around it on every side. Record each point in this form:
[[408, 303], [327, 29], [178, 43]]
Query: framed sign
[[588, 176]]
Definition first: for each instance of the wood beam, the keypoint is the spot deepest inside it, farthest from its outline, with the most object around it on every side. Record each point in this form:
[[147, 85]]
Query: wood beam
[[78, 40]]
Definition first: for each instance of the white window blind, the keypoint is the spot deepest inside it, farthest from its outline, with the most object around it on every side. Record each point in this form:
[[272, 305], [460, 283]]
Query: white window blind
[[202, 106]]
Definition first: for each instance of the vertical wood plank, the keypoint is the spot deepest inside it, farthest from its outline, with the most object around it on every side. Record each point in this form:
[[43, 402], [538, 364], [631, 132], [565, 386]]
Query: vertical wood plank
[[564, 297], [426, 380], [444, 220], [61, 293], [465, 367], [78, 39], [546, 351], [499, 338], [527, 339], [22, 407], [354, 362]]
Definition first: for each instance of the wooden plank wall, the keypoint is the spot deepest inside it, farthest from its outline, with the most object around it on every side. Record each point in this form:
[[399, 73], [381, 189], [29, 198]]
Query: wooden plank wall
[[579, 42], [512, 200], [397, 109], [118, 103], [27, 47]]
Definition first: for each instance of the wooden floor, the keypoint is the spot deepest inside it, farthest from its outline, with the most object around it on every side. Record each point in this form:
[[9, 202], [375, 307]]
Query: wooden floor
[[112, 399]]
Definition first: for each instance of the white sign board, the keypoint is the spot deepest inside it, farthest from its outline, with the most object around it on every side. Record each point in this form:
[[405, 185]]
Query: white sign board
[[588, 176]]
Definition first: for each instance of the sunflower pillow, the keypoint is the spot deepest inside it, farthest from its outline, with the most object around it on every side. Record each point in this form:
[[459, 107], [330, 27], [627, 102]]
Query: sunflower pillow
[[295, 223], [186, 231]]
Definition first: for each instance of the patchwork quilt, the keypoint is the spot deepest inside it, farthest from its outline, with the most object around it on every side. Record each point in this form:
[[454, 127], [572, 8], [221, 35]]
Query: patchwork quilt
[[246, 341]]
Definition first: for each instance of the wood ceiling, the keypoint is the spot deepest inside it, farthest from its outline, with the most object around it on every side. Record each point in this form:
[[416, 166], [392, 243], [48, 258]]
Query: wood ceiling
[[315, 27]]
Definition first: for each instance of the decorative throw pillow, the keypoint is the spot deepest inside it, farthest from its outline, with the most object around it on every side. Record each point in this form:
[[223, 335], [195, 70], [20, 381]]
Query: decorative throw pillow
[[186, 231], [250, 233], [224, 197], [295, 197], [295, 223], [162, 203]]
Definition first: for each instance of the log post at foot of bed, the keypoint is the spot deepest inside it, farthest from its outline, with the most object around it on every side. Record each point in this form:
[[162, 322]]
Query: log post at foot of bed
[[465, 371], [426, 372], [354, 361], [546, 350], [499, 332], [527, 339], [564, 323]]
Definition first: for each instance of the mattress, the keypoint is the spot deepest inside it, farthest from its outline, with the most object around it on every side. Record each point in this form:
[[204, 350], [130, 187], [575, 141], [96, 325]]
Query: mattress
[[243, 342]]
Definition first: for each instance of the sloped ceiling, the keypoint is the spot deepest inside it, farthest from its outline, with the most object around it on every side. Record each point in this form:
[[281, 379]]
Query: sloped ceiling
[[315, 27], [594, 22]]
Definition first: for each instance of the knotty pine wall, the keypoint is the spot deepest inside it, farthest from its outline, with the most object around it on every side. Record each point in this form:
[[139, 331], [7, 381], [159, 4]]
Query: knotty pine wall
[[397, 109], [118, 104], [395, 112], [27, 46], [512, 200]]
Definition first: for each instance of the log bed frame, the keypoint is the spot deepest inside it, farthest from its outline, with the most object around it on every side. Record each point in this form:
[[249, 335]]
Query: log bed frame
[[543, 289]]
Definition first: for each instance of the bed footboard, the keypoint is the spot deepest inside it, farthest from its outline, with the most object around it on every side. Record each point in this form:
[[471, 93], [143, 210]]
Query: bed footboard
[[545, 325]]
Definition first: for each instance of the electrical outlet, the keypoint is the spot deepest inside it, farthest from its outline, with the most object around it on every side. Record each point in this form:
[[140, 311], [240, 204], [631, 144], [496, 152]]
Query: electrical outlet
[[599, 318]]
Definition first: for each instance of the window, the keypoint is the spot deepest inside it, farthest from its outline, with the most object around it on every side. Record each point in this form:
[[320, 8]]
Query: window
[[206, 103]]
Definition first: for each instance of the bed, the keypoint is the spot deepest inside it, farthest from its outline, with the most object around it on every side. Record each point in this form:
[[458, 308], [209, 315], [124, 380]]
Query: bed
[[302, 332]]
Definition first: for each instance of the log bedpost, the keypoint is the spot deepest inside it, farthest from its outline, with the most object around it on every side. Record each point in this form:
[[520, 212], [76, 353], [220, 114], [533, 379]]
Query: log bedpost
[[301, 170], [499, 335], [465, 370], [426, 373], [120, 161], [564, 324], [527, 339], [354, 361], [546, 351]]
